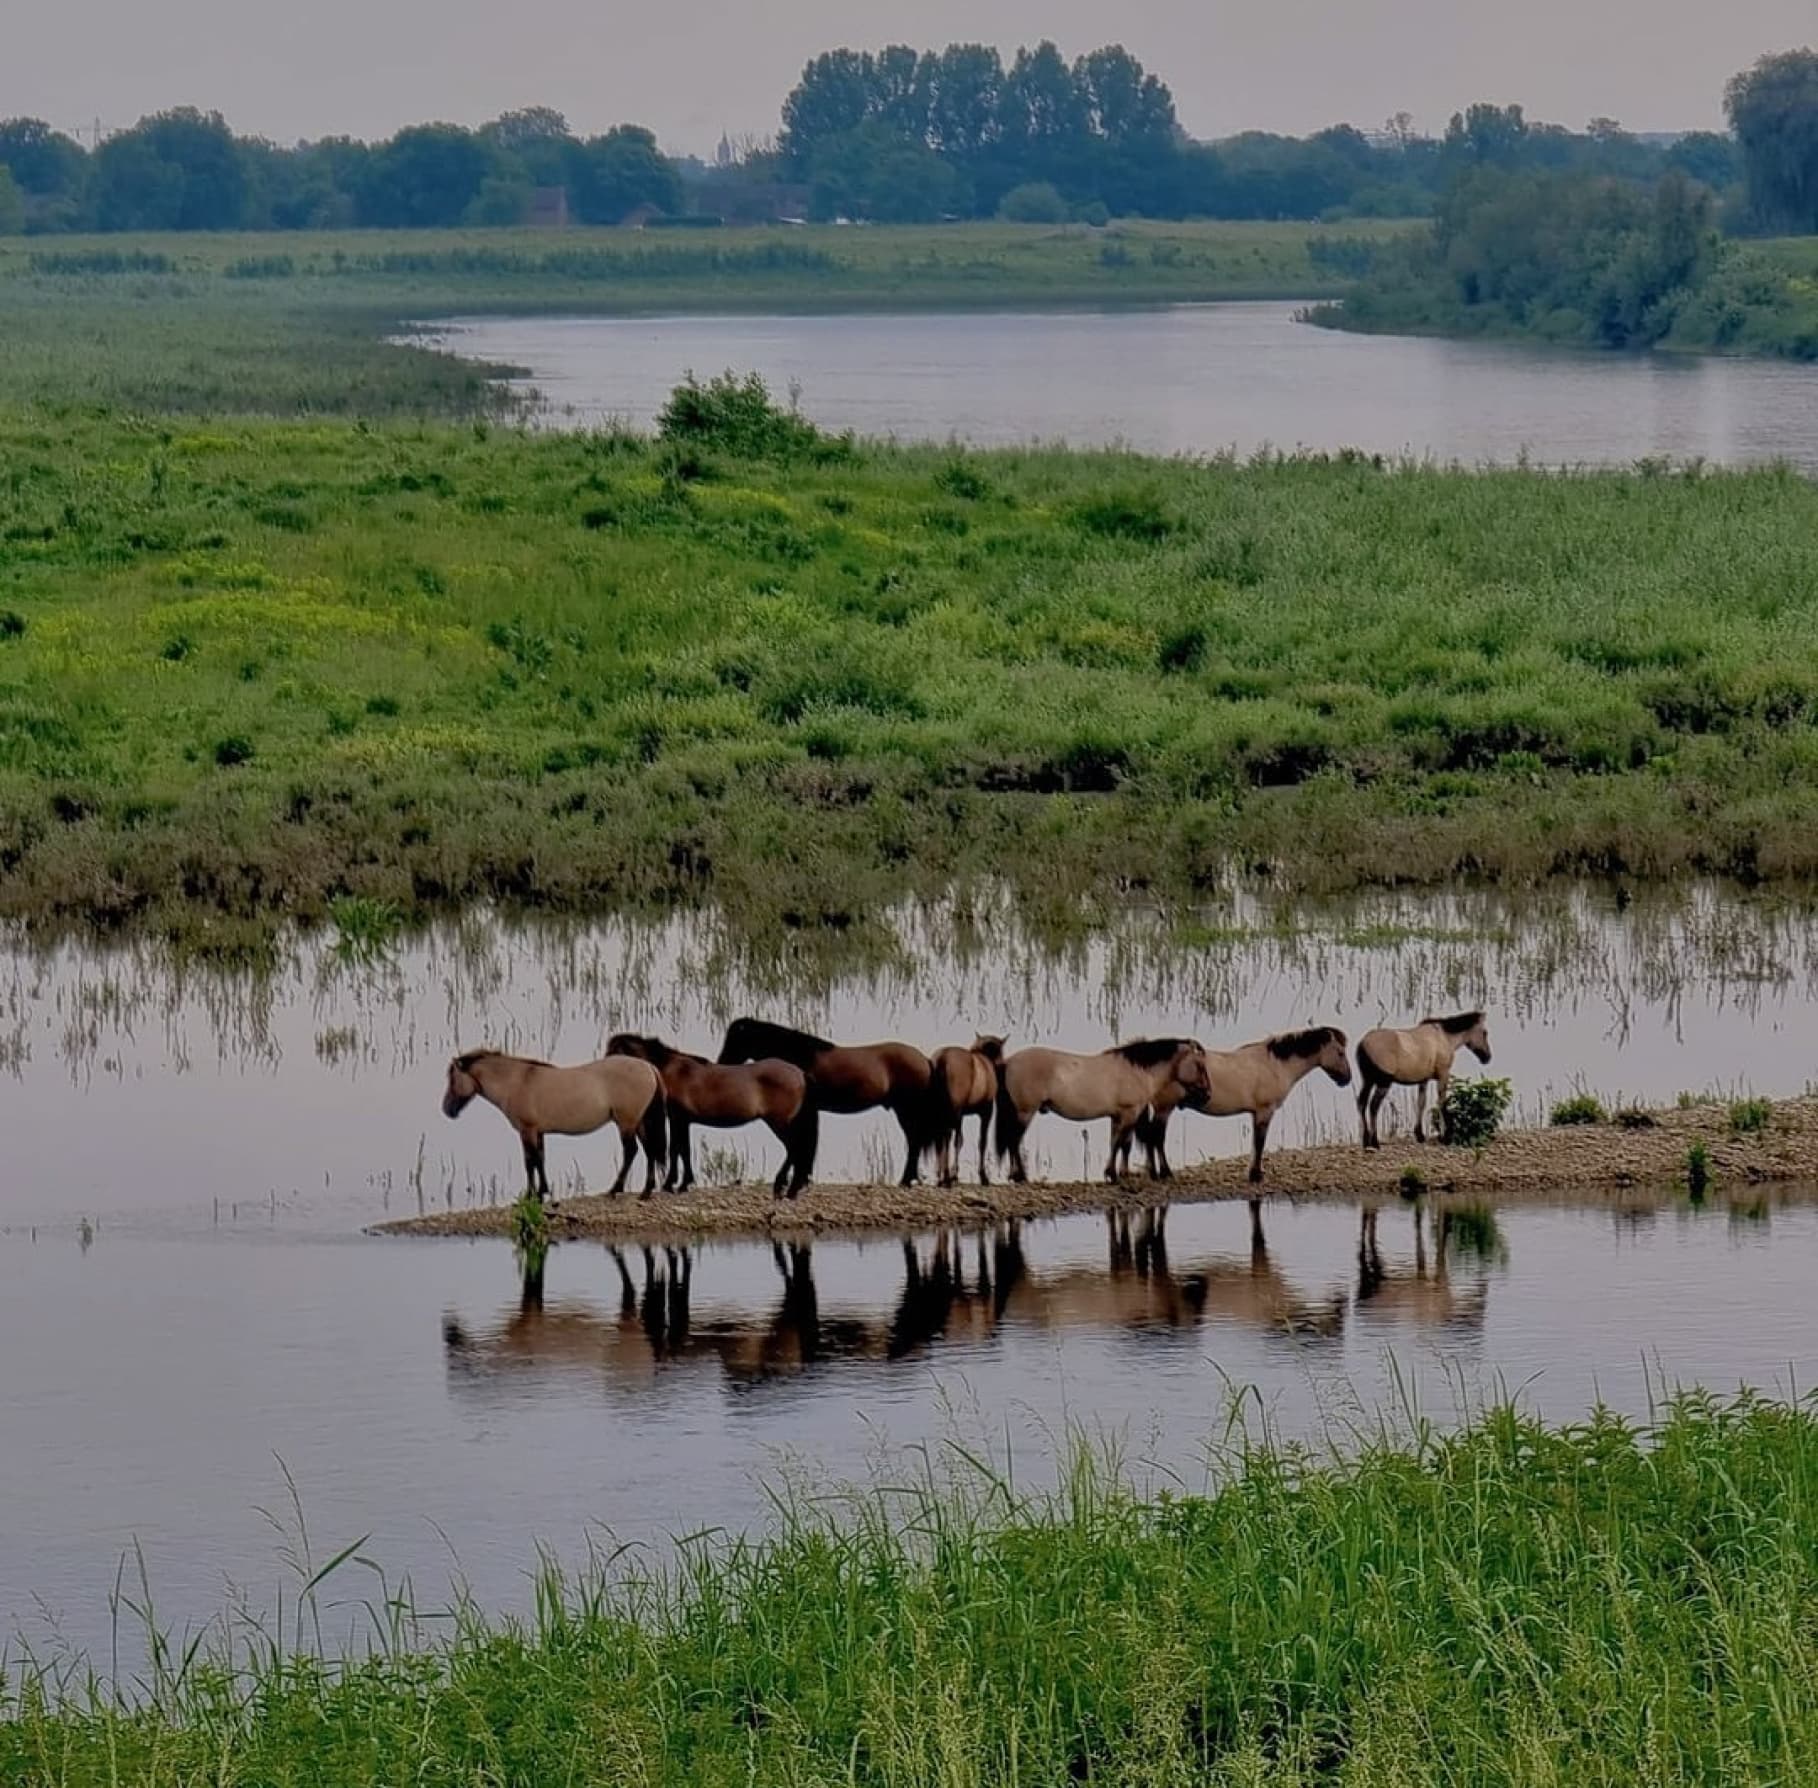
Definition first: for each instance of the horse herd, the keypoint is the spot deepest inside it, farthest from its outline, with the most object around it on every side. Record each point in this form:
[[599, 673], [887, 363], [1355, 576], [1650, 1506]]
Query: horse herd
[[656, 1095]]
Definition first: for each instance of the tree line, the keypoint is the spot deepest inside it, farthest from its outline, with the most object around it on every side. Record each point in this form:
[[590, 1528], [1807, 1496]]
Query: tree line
[[901, 135]]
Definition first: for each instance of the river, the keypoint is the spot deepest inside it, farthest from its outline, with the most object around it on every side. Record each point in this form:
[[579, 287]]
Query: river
[[1198, 379]]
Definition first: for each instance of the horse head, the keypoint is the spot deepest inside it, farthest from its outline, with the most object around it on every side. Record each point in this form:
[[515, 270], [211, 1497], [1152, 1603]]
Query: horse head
[[462, 1088], [740, 1044], [1335, 1055], [631, 1044], [991, 1048]]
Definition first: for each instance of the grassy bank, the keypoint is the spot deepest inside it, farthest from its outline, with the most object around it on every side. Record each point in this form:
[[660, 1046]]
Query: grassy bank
[[249, 669], [1515, 1604], [284, 324]]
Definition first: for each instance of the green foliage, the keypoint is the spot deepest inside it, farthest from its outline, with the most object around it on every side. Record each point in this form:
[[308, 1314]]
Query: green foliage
[[12, 204], [12, 624], [810, 682], [530, 1232], [736, 416], [1035, 201], [1479, 1605], [1773, 109], [1413, 1183], [233, 750], [1750, 1117], [365, 928], [1474, 1109], [1581, 1108], [1633, 1117], [1697, 1169]]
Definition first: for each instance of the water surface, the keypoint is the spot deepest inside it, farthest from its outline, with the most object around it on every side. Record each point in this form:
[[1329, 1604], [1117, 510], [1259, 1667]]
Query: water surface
[[1183, 379]]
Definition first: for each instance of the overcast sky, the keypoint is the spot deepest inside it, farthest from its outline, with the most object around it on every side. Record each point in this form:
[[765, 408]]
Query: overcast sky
[[690, 68]]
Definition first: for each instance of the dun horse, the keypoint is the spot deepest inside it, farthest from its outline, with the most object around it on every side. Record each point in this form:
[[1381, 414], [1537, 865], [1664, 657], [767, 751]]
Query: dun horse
[[540, 1100], [1120, 1084], [965, 1086], [1421, 1054], [1254, 1079], [720, 1098], [847, 1078]]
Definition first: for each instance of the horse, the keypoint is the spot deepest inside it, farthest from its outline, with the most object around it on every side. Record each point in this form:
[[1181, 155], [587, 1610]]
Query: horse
[[1120, 1083], [968, 1082], [849, 1078], [1413, 1057], [770, 1092], [1255, 1078], [541, 1100]]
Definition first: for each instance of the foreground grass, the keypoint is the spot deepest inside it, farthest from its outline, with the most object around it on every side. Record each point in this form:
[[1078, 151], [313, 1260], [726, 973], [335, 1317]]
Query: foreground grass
[[247, 670], [1514, 1604], [299, 323]]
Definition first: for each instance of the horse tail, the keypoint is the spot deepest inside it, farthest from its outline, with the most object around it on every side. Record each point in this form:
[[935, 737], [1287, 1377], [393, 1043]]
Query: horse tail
[[940, 1117], [653, 1128]]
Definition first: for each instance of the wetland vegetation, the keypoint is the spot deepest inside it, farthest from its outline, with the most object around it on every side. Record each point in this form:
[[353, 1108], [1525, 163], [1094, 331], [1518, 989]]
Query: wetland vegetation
[[1513, 1603], [253, 669]]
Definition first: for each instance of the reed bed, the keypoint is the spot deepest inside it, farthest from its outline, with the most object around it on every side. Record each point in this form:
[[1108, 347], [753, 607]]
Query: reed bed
[[1604, 1602]]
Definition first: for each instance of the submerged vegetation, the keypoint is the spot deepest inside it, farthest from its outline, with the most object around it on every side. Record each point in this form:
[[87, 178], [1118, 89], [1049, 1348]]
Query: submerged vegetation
[[258, 669], [1515, 1603]]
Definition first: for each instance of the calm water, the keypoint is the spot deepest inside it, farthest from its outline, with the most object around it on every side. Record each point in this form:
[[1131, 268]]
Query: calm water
[[188, 1308], [1186, 379]]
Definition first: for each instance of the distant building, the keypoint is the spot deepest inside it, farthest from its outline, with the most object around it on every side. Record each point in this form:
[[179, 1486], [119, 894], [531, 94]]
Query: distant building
[[723, 157], [548, 208]]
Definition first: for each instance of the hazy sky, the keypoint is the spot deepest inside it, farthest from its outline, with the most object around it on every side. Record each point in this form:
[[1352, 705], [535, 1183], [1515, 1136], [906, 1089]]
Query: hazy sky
[[690, 68]]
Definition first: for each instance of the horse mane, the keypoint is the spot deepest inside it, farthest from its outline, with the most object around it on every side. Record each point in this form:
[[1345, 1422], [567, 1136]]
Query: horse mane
[[1458, 1023], [803, 1039], [1297, 1045], [991, 1048], [468, 1062], [1150, 1052]]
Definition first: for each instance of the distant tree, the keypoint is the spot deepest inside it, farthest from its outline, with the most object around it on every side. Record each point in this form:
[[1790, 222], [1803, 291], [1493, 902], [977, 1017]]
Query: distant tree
[[964, 84], [1033, 202], [1041, 111], [1773, 109], [836, 94], [502, 201], [611, 176], [537, 139], [1486, 136], [44, 162], [176, 170], [425, 177], [1709, 156], [871, 173], [1124, 104], [12, 204]]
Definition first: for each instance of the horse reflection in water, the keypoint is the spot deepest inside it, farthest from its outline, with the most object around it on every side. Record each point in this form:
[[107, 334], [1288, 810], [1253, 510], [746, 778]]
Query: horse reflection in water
[[1425, 1294]]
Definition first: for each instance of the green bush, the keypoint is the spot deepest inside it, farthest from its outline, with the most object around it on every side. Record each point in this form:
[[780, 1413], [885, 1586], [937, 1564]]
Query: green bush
[[1035, 201], [739, 417], [1473, 1110], [1581, 1108], [1749, 1117]]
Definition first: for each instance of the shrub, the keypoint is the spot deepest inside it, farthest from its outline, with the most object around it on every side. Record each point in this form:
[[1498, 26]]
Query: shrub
[[1035, 201], [177, 648], [1581, 1108], [235, 749], [1136, 514], [1095, 212], [1633, 1117], [738, 416], [1413, 1182], [1473, 1110], [12, 624], [364, 927], [1749, 1117], [1697, 1169]]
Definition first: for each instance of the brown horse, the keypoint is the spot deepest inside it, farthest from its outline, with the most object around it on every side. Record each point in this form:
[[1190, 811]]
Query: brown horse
[[701, 1092], [540, 1100], [1121, 1084], [1413, 1057], [966, 1082], [1254, 1079], [848, 1078]]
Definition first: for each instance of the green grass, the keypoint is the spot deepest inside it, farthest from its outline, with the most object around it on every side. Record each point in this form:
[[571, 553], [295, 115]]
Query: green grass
[[298, 324], [1580, 1108], [1750, 1117], [1516, 1604], [258, 668]]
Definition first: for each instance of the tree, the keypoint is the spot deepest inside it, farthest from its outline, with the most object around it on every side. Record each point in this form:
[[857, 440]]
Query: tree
[[425, 177], [537, 139], [12, 204], [1124, 104], [175, 170], [835, 95], [1042, 112], [44, 162], [1033, 202], [1486, 136], [609, 177], [1773, 109], [872, 173], [1709, 156], [964, 84]]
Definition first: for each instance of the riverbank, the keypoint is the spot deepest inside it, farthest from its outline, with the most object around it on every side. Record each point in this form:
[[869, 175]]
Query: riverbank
[[1519, 1166], [307, 323], [1512, 1604], [260, 674]]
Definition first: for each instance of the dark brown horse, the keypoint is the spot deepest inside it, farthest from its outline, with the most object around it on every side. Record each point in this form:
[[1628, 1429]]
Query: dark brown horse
[[966, 1086], [847, 1078], [719, 1097]]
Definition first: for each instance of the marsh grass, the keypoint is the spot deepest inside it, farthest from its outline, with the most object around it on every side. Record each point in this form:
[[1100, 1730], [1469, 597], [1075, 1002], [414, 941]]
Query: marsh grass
[[1580, 1108], [1750, 1117], [427, 665], [1514, 1603]]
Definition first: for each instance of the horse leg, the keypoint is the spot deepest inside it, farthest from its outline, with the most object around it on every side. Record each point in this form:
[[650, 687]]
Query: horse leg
[[1380, 1098], [912, 1154], [650, 1166], [1365, 1092], [984, 1130], [1420, 1114], [529, 1140], [678, 1150], [1123, 1136], [1259, 1134], [631, 1148], [1441, 1085]]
